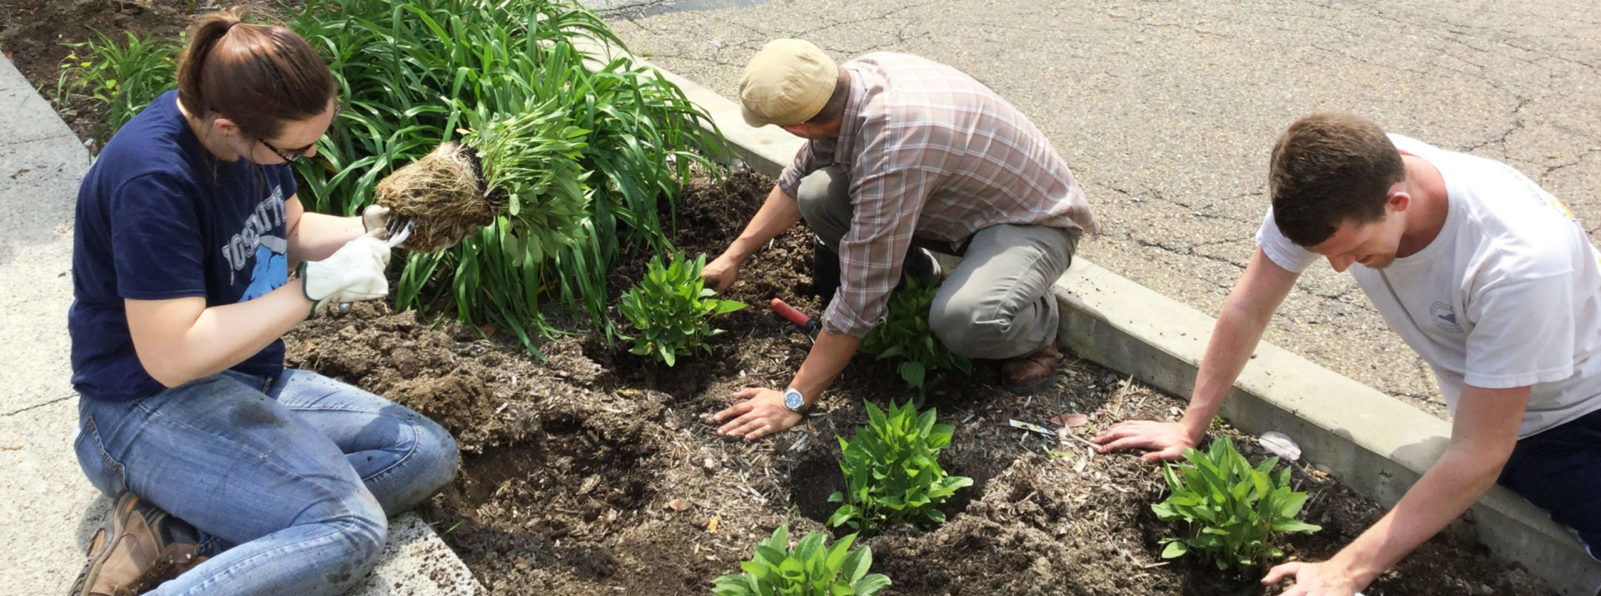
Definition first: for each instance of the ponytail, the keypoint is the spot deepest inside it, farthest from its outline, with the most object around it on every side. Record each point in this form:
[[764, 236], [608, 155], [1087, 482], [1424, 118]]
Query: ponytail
[[258, 76]]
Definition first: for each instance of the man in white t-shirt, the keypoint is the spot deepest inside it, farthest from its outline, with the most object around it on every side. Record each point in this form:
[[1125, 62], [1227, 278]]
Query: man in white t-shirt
[[1487, 276]]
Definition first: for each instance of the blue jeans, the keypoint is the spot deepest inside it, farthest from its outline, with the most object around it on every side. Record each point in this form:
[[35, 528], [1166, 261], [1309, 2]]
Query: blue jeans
[[289, 480]]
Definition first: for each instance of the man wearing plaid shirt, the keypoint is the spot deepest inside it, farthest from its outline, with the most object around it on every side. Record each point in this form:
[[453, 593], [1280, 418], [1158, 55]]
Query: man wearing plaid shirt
[[907, 155]]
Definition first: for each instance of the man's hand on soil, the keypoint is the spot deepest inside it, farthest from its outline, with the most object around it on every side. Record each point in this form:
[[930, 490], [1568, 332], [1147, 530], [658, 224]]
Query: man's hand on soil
[[761, 414], [1164, 440], [721, 273], [1313, 579]]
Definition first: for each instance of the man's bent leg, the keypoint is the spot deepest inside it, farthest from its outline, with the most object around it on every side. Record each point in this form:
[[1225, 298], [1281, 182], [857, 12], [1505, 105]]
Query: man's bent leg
[[221, 455], [1559, 470], [825, 203], [997, 302], [402, 456]]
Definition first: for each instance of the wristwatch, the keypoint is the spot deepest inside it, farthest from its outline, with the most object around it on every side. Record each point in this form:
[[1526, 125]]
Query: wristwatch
[[796, 402]]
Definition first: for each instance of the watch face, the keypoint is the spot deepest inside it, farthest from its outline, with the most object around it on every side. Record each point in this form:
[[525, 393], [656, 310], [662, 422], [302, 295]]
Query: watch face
[[793, 400]]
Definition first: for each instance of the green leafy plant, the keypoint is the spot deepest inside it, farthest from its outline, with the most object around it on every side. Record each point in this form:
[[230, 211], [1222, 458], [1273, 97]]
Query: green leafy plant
[[906, 336], [812, 568], [416, 73], [1234, 513], [123, 76], [892, 471], [670, 308]]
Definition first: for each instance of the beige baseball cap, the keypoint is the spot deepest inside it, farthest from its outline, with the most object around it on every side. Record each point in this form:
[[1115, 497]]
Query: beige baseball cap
[[787, 82]]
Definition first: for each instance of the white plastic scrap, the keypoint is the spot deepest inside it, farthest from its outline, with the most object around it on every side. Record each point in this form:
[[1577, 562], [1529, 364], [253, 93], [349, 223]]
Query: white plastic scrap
[[1280, 444]]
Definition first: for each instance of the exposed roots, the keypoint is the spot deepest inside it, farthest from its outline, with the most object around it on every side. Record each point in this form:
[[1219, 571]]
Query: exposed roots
[[442, 194]]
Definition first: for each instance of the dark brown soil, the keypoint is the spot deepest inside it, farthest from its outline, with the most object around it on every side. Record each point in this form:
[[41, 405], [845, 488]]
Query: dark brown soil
[[598, 472]]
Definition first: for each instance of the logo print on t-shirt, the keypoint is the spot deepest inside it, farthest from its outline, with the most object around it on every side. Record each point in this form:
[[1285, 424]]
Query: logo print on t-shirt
[[271, 270], [1444, 317]]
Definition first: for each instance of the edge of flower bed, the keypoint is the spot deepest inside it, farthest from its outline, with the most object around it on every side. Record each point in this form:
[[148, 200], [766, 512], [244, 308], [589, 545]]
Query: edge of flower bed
[[1377, 445]]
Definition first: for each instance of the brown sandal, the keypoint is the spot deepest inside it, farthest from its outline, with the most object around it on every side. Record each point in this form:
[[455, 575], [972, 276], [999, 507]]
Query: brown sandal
[[1027, 374]]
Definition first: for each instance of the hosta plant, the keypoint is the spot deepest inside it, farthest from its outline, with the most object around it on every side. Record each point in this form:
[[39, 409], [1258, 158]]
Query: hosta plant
[[812, 568], [892, 472], [1233, 514], [670, 309], [906, 336]]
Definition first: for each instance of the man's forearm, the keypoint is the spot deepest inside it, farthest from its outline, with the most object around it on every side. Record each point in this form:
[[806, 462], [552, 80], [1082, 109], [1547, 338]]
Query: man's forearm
[[1239, 328], [823, 364], [1449, 488], [777, 214], [1233, 340]]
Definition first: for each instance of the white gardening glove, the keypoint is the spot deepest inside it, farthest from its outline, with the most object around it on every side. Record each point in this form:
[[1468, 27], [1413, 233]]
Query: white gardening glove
[[374, 217], [354, 272]]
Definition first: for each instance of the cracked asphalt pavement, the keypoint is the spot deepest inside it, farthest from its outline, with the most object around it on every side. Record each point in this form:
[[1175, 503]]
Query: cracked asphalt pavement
[[1166, 111]]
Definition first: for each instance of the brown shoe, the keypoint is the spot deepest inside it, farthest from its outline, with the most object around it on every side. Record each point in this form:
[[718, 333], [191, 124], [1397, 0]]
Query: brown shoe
[[139, 547], [1029, 373]]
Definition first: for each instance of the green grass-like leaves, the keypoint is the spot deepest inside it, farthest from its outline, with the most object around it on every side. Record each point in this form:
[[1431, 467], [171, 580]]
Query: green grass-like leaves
[[892, 472], [907, 338], [588, 152], [670, 309], [1233, 513], [124, 76], [812, 568]]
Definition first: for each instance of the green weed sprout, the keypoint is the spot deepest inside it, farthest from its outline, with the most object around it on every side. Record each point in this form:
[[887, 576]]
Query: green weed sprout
[[813, 568], [907, 337], [1234, 513], [892, 471], [670, 307]]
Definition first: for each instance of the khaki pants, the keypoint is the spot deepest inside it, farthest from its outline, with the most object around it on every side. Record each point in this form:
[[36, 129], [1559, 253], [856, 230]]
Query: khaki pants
[[997, 303]]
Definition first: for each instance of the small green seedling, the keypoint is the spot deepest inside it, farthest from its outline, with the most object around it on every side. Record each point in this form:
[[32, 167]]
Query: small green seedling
[[892, 471], [813, 568], [1234, 513], [906, 336], [670, 307]]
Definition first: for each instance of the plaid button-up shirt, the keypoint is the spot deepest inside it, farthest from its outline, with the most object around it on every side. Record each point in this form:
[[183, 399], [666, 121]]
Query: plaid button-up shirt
[[930, 152]]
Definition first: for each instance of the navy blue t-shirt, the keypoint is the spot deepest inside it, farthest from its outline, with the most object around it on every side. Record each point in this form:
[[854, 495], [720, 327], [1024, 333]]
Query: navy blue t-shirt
[[160, 217]]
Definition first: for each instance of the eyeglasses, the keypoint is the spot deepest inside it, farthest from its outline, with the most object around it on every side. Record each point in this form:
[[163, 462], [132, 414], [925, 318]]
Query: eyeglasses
[[290, 156]]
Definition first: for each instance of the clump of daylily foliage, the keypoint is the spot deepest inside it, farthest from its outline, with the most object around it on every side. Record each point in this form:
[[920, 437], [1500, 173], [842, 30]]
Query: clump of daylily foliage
[[812, 568], [906, 336], [892, 472], [670, 309], [1234, 514]]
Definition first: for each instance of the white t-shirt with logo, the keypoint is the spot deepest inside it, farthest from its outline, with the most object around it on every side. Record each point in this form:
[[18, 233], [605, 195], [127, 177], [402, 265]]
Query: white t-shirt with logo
[[1508, 295]]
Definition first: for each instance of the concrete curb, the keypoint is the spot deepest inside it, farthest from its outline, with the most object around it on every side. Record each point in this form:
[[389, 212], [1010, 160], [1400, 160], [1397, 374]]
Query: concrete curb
[[52, 503], [1376, 444]]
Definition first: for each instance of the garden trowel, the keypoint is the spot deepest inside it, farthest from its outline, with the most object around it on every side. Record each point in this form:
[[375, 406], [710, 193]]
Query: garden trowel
[[807, 324]]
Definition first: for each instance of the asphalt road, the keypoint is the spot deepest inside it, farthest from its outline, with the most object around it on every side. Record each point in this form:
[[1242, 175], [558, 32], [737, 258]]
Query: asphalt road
[[1167, 111]]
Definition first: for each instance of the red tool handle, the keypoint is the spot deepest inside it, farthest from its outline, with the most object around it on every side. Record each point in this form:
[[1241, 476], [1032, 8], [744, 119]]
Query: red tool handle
[[789, 312]]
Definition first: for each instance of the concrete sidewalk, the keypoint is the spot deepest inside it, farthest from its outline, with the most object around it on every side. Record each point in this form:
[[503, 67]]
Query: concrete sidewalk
[[50, 509]]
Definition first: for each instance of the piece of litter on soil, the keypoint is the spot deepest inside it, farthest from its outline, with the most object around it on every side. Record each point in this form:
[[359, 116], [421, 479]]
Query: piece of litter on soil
[[1034, 428], [1280, 444], [800, 443], [1070, 420], [712, 527], [677, 504], [1078, 468]]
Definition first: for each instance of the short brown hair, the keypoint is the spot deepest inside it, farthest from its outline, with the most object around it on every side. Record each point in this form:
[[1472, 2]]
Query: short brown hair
[[258, 76], [1328, 169]]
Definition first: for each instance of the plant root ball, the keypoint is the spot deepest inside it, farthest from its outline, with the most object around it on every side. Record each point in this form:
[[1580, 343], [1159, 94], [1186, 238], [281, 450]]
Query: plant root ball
[[442, 194]]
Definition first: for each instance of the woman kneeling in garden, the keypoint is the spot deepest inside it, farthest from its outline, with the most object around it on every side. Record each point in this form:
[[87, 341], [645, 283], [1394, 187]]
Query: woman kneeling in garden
[[187, 229]]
